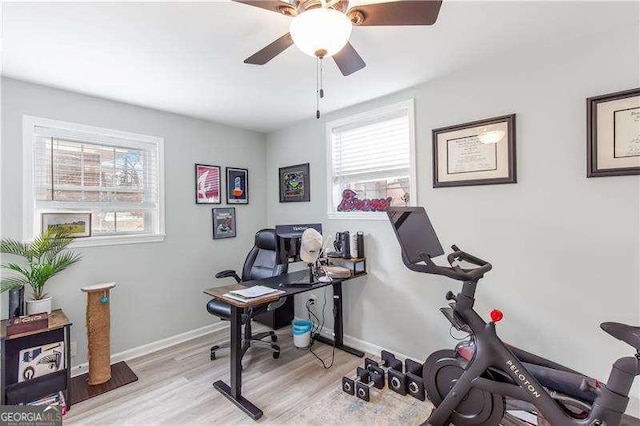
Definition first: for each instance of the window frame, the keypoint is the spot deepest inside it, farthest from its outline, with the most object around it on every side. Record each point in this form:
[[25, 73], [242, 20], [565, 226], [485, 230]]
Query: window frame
[[367, 117], [31, 225]]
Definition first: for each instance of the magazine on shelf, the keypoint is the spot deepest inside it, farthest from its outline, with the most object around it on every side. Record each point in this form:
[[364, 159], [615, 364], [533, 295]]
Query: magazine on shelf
[[40, 360], [52, 399]]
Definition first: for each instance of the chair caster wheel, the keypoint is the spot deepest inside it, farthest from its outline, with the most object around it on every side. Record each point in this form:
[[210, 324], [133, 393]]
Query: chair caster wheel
[[274, 338], [213, 352], [276, 355]]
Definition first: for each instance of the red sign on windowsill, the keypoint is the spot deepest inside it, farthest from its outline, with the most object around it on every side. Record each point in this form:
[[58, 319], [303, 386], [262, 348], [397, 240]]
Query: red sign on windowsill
[[351, 203]]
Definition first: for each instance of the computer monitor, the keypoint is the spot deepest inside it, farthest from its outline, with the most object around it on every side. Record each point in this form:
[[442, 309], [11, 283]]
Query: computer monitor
[[288, 241], [415, 233]]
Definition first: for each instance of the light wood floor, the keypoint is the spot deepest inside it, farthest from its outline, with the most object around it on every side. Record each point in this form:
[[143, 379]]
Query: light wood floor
[[175, 385]]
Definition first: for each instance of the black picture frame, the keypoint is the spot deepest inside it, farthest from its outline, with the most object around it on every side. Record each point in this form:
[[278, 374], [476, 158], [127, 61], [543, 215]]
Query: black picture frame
[[201, 182], [224, 222], [593, 170], [510, 157], [294, 184], [237, 180]]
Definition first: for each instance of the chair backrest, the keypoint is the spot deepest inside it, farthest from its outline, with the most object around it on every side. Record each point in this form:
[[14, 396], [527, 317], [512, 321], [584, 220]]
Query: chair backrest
[[262, 260]]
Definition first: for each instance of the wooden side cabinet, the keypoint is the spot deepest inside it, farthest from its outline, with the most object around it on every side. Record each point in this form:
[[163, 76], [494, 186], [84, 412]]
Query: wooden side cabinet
[[25, 384]]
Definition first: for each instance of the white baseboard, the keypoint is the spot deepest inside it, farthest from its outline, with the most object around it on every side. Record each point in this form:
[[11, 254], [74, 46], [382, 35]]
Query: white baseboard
[[368, 347], [155, 346]]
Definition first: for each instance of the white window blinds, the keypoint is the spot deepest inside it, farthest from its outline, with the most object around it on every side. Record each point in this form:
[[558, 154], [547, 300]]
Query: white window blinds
[[371, 154], [371, 151], [116, 179]]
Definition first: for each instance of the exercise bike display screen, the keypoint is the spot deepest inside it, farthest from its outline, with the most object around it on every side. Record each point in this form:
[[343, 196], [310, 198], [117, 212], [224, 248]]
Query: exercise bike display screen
[[415, 233]]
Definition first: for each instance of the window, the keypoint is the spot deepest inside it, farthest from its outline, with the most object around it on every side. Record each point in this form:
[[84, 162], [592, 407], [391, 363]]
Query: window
[[373, 155], [117, 176]]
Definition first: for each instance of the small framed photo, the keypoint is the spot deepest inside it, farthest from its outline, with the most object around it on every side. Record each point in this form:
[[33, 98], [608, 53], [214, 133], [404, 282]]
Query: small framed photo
[[294, 183], [613, 134], [77, 224], [237, 186], [478, 153], [224, 222], [207, 184]]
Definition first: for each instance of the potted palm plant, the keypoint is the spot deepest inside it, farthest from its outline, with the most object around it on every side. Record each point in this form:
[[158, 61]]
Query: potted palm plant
[[43, 258]]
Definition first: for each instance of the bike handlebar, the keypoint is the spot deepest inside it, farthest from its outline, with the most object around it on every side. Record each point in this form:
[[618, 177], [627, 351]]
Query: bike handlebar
[[453, 272]]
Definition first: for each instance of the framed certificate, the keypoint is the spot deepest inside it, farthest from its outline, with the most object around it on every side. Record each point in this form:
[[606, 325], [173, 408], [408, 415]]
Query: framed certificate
[[478, 153], [613, 134]]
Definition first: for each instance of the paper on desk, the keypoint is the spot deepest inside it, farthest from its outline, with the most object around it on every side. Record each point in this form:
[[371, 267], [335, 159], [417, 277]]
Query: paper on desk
[[255, 291]]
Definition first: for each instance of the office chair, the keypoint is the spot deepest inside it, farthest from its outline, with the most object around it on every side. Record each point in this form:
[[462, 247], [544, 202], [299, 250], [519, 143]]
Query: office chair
[[261, 262]]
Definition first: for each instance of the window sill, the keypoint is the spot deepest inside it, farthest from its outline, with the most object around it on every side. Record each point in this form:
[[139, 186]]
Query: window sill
[[113, 240], [357, 215]]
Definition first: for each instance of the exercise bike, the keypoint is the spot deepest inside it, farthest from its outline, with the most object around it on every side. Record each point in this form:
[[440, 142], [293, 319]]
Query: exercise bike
[[476, 382]]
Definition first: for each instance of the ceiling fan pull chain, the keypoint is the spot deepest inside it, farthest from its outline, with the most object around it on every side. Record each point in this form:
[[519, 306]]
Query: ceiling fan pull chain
[[321, 89], [317, 88]]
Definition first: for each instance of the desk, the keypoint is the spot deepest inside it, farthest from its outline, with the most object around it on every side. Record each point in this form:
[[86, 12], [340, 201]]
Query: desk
[[234, 392]]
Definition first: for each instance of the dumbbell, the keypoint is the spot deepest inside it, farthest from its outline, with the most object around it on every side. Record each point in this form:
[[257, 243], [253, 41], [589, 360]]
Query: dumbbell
[[349, 385], [415, 386], [374, 380], [393, 368]]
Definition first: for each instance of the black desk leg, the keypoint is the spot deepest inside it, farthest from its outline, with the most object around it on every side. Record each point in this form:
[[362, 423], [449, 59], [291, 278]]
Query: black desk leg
[[234, 392], [338, 324]]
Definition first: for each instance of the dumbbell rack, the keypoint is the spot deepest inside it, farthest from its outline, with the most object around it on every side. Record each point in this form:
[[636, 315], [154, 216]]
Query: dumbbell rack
[[373, 375]]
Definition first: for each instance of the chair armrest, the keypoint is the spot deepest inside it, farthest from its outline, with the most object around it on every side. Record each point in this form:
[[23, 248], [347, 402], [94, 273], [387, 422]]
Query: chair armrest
[[275, 305], [228, 273]]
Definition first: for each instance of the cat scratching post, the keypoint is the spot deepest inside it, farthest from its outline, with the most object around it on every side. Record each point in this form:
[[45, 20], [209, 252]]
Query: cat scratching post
[[98, 329]]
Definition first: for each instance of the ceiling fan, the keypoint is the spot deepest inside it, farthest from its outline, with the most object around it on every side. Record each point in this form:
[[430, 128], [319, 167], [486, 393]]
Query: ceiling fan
[[322, 28]]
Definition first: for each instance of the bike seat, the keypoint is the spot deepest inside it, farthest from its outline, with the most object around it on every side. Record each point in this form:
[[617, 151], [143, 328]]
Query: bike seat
[[627, 333]]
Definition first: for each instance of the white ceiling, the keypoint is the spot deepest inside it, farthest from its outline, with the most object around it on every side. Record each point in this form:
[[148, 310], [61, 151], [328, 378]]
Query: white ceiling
[[188, 57]]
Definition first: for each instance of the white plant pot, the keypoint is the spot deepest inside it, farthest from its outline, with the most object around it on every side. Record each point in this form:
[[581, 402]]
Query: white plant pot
[[39, 306]]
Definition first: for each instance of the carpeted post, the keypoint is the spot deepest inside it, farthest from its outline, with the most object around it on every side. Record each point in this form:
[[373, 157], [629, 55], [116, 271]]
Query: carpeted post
[[98, 329]]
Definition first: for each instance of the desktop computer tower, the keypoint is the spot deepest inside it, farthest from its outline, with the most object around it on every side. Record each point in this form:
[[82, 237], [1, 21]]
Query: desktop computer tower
[[279, 318]]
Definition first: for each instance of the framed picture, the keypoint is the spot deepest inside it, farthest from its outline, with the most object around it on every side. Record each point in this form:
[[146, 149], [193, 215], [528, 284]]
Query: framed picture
[[224, 222], [478, 153], [613, 134], [237, 186], [207, 184], [294, 183], [77, 224]]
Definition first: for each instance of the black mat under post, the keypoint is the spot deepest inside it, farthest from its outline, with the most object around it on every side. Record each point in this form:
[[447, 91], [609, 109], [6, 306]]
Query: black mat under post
[[121, 375]]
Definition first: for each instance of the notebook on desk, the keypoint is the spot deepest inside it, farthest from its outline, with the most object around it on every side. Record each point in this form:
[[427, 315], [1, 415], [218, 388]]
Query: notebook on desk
[[253, 293]]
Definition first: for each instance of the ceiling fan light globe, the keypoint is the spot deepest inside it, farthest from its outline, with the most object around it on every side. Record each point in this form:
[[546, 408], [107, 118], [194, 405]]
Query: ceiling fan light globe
[[320, 32]]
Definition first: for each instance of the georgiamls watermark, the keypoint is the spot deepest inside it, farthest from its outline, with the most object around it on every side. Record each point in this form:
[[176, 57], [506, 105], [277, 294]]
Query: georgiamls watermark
[[30, 415]]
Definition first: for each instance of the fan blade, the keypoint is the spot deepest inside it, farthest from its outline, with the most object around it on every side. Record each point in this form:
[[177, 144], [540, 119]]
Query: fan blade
[[348, 60], [272, 5], [263, 56], [408, 12], [339, 5]]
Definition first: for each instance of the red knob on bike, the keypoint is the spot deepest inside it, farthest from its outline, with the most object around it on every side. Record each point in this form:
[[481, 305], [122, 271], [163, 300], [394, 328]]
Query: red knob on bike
[[496, 315]]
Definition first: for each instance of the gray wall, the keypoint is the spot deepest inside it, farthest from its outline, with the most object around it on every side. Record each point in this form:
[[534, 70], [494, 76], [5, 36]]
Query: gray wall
[[565, 248], [160, 285]]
